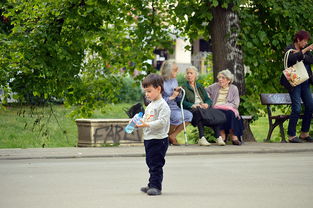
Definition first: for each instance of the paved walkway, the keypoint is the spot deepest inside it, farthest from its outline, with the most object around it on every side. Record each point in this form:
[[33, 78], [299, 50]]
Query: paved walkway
[[138, 151]]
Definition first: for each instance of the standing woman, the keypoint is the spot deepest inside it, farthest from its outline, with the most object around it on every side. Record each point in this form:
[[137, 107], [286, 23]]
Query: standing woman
[[225, 97], [301, 52], [172, 96]]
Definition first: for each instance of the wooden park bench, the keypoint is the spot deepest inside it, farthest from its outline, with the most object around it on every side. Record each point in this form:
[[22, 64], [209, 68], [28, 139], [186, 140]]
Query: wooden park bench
[[102, 132], [270, 99]]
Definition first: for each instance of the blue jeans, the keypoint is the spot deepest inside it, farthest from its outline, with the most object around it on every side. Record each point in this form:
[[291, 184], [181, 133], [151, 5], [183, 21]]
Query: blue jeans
[[299, 92]]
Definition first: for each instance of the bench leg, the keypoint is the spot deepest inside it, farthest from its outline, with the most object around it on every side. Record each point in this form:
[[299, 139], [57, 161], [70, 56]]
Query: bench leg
[[278, 122], [269, 134], [282, 133]]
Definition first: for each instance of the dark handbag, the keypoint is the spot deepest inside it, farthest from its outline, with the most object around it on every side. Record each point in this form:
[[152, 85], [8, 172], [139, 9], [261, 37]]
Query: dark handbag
[[212, 116]]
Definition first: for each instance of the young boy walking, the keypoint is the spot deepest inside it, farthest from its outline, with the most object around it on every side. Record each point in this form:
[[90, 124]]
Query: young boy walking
[[156, 123]]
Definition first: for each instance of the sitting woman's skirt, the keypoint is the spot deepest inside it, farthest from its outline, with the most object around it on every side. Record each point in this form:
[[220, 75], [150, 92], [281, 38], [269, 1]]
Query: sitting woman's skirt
[[232, 122], [197, 121]]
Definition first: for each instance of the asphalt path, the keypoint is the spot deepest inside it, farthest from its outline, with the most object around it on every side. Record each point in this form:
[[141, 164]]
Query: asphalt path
[[239, 180]]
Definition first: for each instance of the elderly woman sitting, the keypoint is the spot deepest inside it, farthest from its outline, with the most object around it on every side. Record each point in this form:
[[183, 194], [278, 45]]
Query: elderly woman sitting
[[196, 99], [225, 97]]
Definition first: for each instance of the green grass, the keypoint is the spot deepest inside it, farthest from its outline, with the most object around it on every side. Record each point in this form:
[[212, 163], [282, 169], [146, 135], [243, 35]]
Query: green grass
[[24, 127], [260, 129]]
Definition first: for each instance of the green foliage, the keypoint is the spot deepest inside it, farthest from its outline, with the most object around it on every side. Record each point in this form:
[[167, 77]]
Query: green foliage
[[130, 92], [267, 27], [75, 50], [194, 17], [51, 47], [204, 79]]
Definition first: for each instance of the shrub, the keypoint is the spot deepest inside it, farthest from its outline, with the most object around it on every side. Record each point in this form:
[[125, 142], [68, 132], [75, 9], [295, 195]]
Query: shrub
[[131, 91]]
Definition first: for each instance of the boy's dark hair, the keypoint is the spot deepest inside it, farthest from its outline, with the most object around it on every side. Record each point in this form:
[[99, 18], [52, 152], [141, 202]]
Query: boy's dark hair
[[153, 79]]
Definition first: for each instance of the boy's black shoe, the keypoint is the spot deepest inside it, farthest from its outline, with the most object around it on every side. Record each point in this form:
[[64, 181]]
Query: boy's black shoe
[[144, 189], [295, 140], [307, 139], [153, 192]]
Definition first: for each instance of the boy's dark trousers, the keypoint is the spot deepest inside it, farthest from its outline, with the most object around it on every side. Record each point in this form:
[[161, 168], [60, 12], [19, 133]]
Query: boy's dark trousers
[[155, 159]]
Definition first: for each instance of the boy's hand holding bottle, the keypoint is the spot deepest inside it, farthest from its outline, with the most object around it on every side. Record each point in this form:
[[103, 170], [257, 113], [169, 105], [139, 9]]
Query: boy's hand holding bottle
[[136, 120], [142, 124]]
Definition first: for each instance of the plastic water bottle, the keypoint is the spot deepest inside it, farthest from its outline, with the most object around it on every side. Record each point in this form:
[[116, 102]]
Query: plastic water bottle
[[135, 120]]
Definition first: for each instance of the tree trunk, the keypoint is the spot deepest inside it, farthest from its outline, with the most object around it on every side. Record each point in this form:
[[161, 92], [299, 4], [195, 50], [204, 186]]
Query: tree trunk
[[226, 52], [247, 133]]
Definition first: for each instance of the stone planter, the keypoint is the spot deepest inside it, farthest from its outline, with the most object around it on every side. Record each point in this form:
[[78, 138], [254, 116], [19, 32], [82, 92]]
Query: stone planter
[[102, 132]]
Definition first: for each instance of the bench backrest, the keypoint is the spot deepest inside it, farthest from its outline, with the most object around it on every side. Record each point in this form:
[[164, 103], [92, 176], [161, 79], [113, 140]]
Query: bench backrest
[[275, 99]]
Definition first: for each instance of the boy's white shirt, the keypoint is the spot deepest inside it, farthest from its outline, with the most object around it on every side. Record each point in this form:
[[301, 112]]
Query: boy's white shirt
[[157, 115]]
